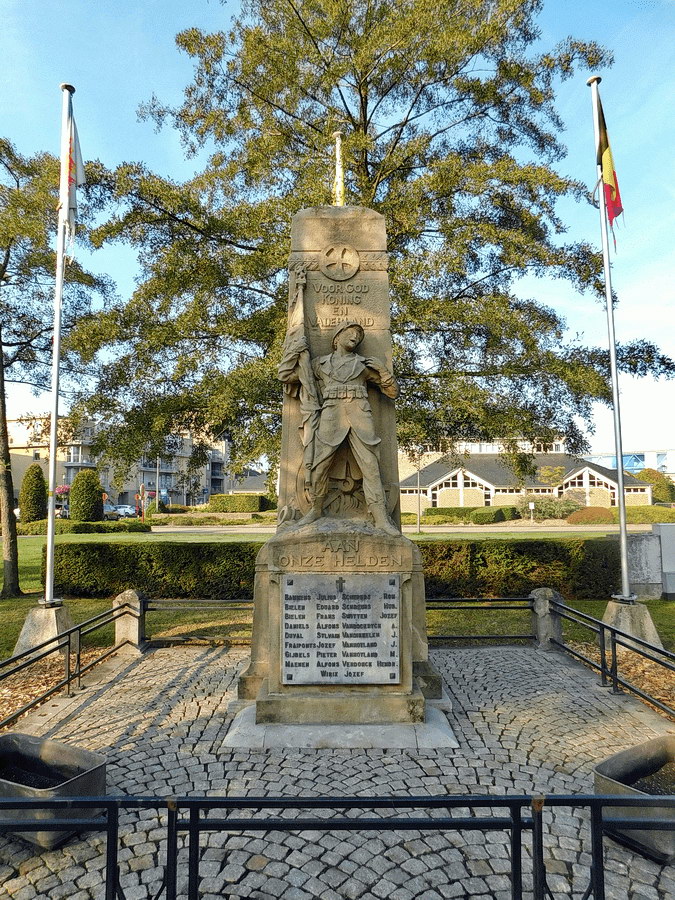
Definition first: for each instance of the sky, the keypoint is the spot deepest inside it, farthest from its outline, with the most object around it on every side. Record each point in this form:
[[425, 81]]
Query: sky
[[117, 55]]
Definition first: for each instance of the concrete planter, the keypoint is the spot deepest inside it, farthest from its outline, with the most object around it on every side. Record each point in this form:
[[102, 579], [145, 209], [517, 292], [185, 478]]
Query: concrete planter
[[35, 769], [619, 774]]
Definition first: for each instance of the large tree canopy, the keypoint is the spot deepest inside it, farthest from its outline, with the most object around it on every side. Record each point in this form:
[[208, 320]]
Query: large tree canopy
[[450, 130]]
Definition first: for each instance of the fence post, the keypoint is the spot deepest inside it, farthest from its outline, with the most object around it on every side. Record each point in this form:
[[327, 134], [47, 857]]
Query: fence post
[[130, 626], [546, 624]]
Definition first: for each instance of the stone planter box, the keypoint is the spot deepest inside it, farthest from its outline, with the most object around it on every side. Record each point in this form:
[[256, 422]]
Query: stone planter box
[[33, 769], [631, 773]]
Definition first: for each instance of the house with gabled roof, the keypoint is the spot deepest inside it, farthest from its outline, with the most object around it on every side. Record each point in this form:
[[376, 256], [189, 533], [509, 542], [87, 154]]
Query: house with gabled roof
[[485, 479]]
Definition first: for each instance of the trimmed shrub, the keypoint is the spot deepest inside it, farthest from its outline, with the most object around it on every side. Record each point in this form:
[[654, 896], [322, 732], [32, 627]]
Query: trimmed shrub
[[238, 503], [591, 515], [487, 515], [579, 568], [159, 569], [33, 495], [151, 509], [452, 513], [67, 526], [510, 513], [86, 497], [635, 515], [547, 507]]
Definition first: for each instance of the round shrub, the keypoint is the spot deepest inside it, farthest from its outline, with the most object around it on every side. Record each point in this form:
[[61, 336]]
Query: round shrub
[[86, 497], [33, 495], [591, 515]]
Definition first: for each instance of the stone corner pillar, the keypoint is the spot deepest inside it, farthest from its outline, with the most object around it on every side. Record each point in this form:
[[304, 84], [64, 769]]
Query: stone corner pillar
[[130, 626], [546, 624]]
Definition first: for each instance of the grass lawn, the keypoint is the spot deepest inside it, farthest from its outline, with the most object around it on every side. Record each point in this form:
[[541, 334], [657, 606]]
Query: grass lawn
[[233, 624]]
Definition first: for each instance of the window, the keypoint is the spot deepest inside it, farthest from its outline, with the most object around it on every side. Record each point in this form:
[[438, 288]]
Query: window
[[577, 481], [36, 454]]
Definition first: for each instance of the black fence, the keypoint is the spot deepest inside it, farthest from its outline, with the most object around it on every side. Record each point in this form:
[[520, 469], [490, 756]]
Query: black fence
[[610, 641], [193, 816], [69, 645]]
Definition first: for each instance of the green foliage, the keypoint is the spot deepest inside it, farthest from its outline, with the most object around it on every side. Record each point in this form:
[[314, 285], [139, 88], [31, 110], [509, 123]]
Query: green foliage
[[160, 569], [152, 510], [33, 494], [451, 132], [86, 497], [577, 568], [591, 515], [464, 568], [460, 512], [68, 526], [510, 512], [663, 489], [237, 503], [487, 515], [645, 515], [547, 507]]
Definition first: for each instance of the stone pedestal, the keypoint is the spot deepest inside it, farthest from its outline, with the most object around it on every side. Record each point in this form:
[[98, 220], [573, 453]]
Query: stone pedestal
[[338, 628], [43, 623]]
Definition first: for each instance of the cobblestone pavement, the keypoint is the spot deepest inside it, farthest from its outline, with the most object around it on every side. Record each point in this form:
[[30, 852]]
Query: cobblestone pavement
[[527, 722]]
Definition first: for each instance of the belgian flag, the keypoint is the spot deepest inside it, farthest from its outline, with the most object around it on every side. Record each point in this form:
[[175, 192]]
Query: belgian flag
[[606, 162]]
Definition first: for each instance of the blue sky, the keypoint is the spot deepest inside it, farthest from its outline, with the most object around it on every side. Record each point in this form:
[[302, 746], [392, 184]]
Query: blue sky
[[118, 54]]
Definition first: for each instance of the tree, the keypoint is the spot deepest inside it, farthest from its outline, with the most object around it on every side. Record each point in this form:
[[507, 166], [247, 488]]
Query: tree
[[33, 495], [86, 497], [663, 489], [450, 131], [28, 214]]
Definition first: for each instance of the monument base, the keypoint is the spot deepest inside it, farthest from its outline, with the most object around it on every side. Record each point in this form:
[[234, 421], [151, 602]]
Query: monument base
[[434, 733], [44, 623], [339, 633]]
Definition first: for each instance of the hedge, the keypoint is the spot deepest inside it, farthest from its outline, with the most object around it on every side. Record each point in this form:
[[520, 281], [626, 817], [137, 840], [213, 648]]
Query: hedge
[[578, 568], [460, 513], [487, 515], [645, 515], [67, 526], [159, 569], [238, 503]]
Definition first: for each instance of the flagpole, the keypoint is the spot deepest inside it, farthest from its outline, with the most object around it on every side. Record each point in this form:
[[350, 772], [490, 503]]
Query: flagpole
[[625, 596], [66, 113]]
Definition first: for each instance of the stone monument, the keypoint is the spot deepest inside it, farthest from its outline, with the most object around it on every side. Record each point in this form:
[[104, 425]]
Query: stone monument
[[339, 634]]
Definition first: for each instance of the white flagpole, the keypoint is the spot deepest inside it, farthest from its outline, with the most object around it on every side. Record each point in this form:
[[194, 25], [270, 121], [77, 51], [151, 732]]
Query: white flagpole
[[625, 596], [66, 115]]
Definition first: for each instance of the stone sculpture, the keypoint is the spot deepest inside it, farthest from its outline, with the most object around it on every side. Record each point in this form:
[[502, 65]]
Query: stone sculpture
[[341, 414]]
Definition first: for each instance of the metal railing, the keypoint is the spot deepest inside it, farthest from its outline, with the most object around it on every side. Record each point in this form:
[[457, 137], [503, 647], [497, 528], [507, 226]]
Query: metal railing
[[69, 644], [198, 818], [608, 636], [482, 604], [179, 604]]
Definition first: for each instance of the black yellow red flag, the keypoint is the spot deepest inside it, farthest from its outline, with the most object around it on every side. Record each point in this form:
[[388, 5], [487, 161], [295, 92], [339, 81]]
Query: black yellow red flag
[[606, 162]]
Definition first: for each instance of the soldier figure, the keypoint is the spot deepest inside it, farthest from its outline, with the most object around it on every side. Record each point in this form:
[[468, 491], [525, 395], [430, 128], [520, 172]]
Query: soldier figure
[[341, 379]]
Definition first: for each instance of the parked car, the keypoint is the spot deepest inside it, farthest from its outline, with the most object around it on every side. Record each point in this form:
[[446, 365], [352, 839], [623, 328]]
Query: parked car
[[126, 511], [110, 513]]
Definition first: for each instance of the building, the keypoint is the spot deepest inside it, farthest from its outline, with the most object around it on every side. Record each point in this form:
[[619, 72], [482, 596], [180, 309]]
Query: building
[[637, 460], [29, 443], [484, 479]]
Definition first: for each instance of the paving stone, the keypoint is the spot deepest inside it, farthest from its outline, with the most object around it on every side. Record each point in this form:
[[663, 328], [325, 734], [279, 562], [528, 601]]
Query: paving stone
[[162, 723]]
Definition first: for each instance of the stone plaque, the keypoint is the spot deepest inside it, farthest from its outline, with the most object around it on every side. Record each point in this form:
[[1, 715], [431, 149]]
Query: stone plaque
[[340, 629]]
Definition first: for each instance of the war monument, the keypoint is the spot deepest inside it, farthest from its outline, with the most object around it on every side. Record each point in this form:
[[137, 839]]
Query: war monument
[[339, 634]]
